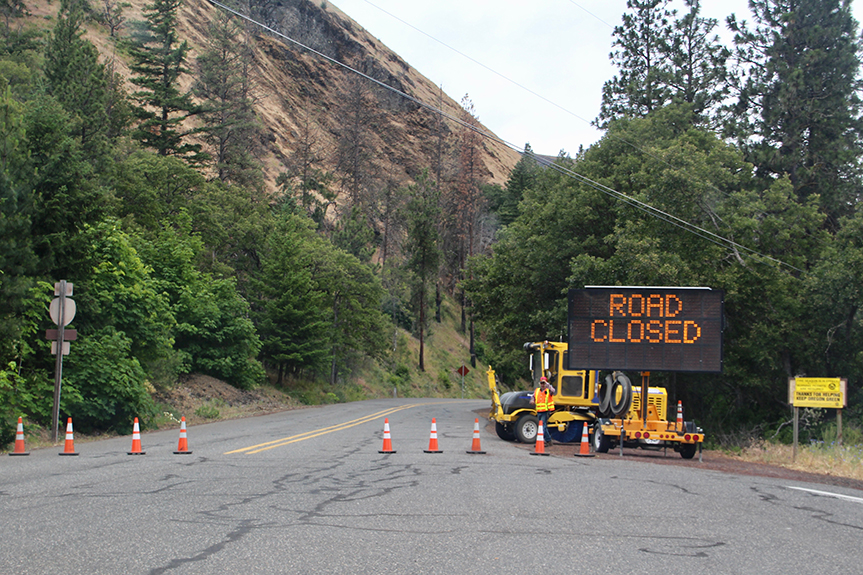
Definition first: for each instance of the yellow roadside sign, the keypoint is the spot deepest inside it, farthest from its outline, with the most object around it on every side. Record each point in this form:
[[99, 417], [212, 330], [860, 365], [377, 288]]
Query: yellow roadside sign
[[826, 392]]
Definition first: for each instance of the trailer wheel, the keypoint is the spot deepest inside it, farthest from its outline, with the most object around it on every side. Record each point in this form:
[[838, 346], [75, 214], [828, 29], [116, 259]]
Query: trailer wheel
[[605, 396], [504, 431], [622, 406], [601, 442], [526, 428], [687, 450]]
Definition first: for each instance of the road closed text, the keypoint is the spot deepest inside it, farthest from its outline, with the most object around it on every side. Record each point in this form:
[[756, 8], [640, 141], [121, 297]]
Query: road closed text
[[651, 318]]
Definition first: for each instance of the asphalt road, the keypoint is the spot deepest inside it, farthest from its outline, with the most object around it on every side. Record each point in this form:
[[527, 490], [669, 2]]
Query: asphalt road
[[306, 491]]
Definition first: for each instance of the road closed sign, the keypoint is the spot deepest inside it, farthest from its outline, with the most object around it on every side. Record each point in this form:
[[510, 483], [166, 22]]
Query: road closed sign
[[826, 392]]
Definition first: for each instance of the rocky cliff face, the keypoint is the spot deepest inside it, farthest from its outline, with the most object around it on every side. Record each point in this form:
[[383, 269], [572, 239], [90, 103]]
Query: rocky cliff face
[[296, 87]]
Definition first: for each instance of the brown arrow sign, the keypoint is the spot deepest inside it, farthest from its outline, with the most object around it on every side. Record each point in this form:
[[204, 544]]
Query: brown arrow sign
[[68, 334]]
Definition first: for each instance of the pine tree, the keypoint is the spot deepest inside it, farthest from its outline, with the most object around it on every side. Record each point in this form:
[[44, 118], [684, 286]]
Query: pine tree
[[798, 109], [663, 59], [697, 73], [354, 154], [642, 45], [224, 83], [289, 310], [306, 182], [77, 80], [422, 248], [158, 61]]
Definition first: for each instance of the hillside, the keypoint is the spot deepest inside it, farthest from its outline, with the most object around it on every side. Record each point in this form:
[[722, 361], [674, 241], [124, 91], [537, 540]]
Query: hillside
[[295, 86]]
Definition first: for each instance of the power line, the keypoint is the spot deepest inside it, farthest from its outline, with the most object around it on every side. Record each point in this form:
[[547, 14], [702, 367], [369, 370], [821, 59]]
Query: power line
[[642, 206]]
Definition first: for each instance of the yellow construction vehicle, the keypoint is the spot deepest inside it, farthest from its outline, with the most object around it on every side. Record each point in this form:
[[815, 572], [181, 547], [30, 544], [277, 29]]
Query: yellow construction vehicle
[[609, 405]]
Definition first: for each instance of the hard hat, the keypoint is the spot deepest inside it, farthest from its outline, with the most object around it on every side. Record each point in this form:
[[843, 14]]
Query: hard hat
[[541, 379]]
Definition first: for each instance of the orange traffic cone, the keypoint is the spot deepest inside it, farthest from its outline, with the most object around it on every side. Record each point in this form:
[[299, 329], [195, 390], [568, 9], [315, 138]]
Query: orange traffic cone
[[433, 448], [584, 448], [388, 445], [136, 440], [183, 445], [679, 416], [540, 442], [19, 440], [475, 448], [69, 448]]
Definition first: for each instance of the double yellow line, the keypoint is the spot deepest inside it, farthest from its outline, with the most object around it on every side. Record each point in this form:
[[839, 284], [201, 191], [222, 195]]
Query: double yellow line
[[318, 432]]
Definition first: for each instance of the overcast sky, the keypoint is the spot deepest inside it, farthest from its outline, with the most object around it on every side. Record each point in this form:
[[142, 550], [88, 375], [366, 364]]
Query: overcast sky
[[534, 69]]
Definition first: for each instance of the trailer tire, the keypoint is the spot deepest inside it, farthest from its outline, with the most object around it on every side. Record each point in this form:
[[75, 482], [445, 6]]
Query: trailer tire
[[687, 450], [605, 396], [622, 406], [526, 428], [601, 442], [504, 431]]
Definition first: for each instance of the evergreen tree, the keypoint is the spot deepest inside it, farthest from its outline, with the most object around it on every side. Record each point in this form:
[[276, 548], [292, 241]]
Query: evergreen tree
[[289, 309], [306, 180], [353, 295], [642, 45], [523, 177], [158, 61], [355, 152], [697, 73], [17, 258], [77, 80], [422, 249], [224, 83], [798, 109], [662, 58]]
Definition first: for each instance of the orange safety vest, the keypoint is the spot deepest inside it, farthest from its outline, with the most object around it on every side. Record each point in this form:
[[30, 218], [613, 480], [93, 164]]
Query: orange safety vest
[[543, 399]]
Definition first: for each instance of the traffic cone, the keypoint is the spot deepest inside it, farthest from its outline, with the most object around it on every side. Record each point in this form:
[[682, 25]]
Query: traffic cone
[[388, 445], [136, 440], [19, 440], [584, 448], [69, 448], [475, 448], [183, 445], [540, 442], [433, 448], [679, 416]]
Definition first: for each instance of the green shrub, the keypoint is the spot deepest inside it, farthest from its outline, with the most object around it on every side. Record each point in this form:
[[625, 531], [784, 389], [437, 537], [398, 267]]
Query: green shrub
[[104, 386], [443, 379], [207, 411]]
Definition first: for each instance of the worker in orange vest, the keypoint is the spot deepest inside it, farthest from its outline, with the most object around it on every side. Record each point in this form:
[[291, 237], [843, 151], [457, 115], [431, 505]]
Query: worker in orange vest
[[544, 402]]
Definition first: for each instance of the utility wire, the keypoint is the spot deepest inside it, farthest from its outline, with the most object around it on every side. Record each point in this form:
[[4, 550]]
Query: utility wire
[[642, 206], [478, 63]]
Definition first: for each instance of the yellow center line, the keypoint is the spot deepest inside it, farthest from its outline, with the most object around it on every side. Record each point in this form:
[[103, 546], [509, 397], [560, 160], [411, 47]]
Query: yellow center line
[[318, 432]]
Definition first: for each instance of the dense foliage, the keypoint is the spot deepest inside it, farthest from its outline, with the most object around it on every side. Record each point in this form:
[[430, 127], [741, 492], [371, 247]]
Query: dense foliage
[[179, 262], [770, 216]]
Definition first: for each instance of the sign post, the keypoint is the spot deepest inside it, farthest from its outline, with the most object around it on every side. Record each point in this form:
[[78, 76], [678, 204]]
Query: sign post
[[821, 392], [62, 312]]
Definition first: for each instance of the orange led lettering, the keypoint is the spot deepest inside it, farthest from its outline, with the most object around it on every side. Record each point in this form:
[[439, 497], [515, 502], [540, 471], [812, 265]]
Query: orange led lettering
[[593, 330], [629, 330], [654, 333], [659, 329], [611, 333], [639, 311], [615, 302], [654, 301], [670, 331], [669, 312], [690, 327]]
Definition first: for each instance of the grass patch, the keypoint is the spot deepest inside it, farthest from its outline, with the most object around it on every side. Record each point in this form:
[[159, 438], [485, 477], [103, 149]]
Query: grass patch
[[819, 457]]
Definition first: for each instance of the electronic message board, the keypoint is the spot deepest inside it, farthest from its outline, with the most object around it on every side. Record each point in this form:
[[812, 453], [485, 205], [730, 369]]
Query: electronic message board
[[645, 329]]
